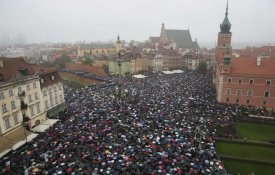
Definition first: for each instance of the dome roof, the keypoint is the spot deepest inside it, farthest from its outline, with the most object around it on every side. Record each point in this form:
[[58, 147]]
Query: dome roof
[[225, 25]]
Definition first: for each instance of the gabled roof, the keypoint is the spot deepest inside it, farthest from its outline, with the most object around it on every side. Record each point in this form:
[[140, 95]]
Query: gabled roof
[[181, 37], [12, 67], [248, 66]]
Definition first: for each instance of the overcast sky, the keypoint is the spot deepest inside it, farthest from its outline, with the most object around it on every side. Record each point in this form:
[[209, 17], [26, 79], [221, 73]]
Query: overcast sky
[[253, 21]]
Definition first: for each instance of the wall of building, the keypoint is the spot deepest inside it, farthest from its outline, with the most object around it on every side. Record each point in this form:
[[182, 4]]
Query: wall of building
[[32, 97], [257, 89]]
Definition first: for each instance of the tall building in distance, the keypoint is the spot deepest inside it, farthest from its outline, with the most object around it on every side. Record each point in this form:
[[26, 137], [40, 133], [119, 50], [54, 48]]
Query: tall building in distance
[[176, 39], [243, 80]]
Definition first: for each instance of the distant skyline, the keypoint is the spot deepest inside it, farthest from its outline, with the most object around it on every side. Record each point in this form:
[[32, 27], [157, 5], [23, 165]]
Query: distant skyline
[[34, 21]]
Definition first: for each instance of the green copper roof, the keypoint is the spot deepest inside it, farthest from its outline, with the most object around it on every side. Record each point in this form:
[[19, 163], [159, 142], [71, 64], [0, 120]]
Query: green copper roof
[[181, 37]]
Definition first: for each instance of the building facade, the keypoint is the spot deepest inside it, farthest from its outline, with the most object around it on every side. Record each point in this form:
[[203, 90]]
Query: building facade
[[248, 80], [20, 95]]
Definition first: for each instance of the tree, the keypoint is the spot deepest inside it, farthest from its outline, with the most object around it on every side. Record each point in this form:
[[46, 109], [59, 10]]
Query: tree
[[61, 62], [202, 68]]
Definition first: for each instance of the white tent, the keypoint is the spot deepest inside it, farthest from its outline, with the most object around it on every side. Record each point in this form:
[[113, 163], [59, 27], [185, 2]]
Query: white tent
[[40, 128], [2, 154], [18, 144], [50, 122], [172, 72], [139, 76]]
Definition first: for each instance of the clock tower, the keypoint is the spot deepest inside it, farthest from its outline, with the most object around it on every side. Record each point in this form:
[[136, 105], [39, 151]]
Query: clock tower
[[224, 39]]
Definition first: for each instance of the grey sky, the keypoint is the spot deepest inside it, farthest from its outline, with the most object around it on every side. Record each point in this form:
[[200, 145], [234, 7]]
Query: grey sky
[[92, 20]]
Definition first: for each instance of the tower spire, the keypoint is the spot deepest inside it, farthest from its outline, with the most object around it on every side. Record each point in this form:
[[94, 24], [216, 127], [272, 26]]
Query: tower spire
[[226, 13]]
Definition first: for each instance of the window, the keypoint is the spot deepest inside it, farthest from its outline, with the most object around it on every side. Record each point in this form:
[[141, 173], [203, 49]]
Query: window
[[247, 101], [264, 102], [7, 122], [229, 80], [38, 107], [51, 100], [34, 85], [36, 96], [266, 94], [240, 81], [228, 90], [249, 92], [1, 95], [41, 80], [52, 77], [44, 93], [4, 108], [50, 90], [54, 88], [19, 89], [60, 98], [13, 105], [227, 100], [32, 110], [15, 118], [268, 82], [46, 104], [59, 87], [251, 81], [239, 92], [56, 99], [237, 100], [10, 92], [30, 98], [28, 87]]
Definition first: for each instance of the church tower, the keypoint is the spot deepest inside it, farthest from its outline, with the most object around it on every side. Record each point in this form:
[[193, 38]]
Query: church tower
[[163, 34], [118, 44], [224, 47]]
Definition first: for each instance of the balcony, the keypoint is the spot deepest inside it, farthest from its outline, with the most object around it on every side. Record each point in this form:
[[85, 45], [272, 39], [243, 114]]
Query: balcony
[[23, 105], [21, 94], [25, 118]]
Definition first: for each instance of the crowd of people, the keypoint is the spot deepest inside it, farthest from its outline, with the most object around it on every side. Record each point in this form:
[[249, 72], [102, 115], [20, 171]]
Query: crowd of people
[[162, 124]]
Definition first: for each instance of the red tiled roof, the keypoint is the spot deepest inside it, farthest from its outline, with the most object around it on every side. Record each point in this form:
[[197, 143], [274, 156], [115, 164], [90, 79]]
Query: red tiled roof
[[46, 73], [248, 66], [12, 66], [87, 68]]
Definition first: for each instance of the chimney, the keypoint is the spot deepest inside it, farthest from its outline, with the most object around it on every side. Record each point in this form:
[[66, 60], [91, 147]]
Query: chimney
[[259, 59]]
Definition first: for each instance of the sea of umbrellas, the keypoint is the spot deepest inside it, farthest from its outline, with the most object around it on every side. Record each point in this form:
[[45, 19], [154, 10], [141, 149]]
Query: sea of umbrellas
[[159, 124]]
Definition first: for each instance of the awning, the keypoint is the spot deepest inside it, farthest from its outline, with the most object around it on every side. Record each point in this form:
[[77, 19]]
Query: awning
[[50, 122], [2, 154], [139, 76], [40, 128], [31, 137], [18, 144]]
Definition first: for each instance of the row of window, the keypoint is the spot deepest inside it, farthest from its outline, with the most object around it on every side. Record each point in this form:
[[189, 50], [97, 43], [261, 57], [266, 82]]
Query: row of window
[[57, 101], [251, 81], [8, 122], [50, 90], [35, 97], [19, 90], [37, 106], [249, 92], [5, 109], [247, 101]]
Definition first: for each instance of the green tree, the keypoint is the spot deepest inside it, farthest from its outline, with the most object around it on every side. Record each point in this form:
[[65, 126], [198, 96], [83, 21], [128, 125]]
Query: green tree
[[61, 62], [202, 68]]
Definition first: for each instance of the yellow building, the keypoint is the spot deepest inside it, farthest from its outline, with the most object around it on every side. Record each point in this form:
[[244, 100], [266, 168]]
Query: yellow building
[[20, 95], [99, 49], [139, 63]]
